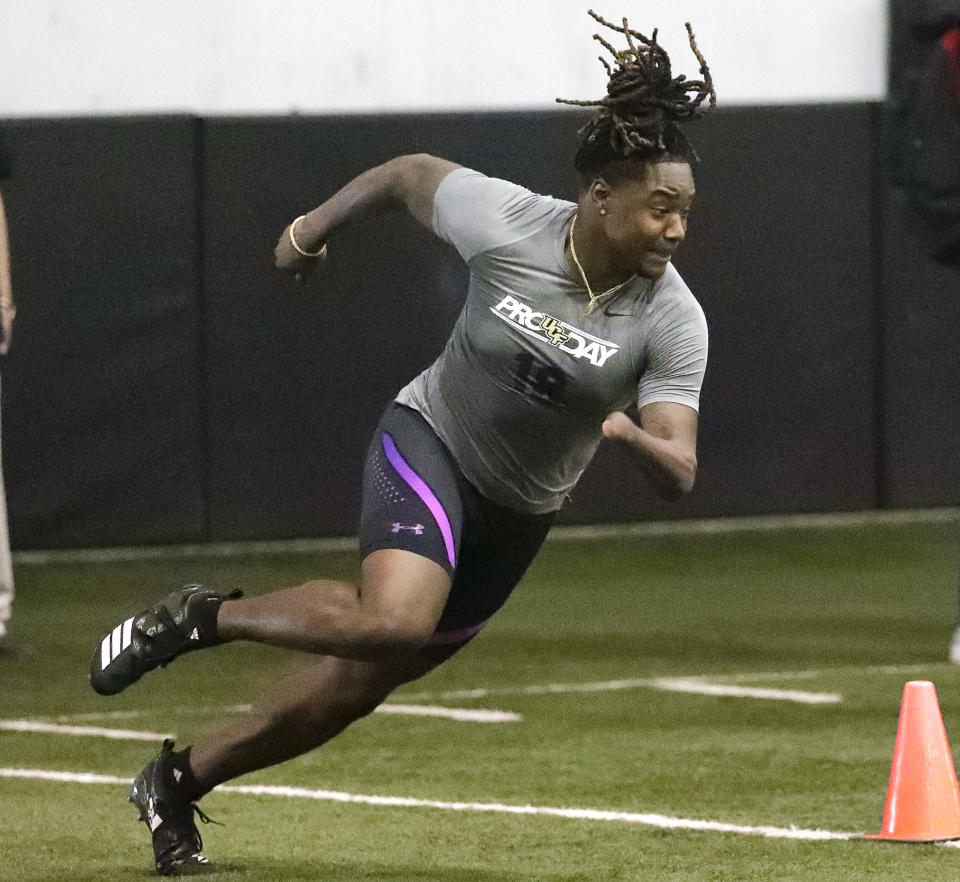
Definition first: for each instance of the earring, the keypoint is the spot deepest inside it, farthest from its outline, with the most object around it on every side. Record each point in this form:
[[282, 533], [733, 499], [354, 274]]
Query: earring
[[603, 211]]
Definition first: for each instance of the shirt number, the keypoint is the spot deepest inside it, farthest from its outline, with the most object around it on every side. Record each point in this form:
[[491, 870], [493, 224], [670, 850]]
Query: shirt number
[[537, 378]]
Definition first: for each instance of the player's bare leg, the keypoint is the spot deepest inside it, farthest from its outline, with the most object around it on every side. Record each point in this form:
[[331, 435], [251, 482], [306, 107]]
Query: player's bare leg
[[379, 629], [381, 639], [302, 712], [392, 612]]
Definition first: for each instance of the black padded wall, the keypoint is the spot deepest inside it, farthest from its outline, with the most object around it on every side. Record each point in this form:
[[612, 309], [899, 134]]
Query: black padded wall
[[101, 406], [779, 253], [167, 384]]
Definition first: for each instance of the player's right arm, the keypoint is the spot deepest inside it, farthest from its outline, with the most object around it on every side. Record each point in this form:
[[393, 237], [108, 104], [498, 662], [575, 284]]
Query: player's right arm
[[405, 182]]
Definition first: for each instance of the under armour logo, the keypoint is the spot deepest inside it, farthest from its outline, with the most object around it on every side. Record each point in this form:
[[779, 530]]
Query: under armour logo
[[177, 775], [416, 529], [194, 635]]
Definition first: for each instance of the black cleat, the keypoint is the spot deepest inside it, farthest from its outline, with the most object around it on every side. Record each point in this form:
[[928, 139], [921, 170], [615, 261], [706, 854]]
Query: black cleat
[[183, 621], [177, 846]]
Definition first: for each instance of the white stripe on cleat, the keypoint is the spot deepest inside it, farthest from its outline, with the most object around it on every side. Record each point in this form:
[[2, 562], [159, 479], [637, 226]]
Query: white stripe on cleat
[[115, 636]]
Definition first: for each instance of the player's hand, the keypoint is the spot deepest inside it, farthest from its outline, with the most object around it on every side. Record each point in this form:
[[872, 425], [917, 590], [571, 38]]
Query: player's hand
[[619, 427], [287, 258], [8, 313]]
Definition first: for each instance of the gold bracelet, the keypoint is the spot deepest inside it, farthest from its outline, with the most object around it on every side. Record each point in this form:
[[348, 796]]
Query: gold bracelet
[[297, 248]]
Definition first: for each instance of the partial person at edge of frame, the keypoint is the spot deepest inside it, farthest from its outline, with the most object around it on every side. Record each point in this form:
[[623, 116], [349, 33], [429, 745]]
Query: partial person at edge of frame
[[8, 313], [923, 137]]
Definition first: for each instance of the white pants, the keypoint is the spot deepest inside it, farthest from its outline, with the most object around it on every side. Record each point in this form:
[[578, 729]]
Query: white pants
[[6, 566]]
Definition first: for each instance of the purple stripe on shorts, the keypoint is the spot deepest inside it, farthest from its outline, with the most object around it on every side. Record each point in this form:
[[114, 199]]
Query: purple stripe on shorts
[[444, 638], [420, 487]]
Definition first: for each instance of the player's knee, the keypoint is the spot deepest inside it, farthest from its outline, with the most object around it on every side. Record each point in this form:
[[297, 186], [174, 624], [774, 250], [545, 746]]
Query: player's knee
[[398, 637]]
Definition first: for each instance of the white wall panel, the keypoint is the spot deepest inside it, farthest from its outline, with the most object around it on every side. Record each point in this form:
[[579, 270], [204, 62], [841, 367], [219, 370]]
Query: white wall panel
[[318, 56]]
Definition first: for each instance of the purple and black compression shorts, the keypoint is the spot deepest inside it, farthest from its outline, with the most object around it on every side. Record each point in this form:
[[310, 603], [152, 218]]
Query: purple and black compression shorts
[[416, 498]]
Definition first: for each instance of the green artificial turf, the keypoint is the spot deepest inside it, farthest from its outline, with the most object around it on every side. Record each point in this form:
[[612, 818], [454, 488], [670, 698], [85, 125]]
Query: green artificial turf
[[855, 611]]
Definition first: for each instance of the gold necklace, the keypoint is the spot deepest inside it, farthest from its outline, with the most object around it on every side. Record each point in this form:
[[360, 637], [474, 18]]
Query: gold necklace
[[594, 298]]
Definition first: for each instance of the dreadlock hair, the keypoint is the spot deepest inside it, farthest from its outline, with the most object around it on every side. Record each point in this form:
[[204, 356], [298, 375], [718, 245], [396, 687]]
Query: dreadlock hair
[[638, 117]]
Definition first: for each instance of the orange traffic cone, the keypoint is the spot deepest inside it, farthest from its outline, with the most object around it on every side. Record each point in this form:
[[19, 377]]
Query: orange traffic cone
[[923, 799]]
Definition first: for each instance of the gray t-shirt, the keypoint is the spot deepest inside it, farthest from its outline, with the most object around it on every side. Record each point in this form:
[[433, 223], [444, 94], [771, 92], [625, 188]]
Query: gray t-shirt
[[527, 377]]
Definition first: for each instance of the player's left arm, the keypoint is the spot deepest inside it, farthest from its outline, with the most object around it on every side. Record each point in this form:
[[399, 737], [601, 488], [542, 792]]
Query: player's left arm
[[7, 309], [664, 445]]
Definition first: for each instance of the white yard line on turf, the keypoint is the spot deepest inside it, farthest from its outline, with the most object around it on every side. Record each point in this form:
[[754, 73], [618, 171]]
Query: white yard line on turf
[[460, 714], [703, 684], [65, 724], [820, 673], [695, 685], [698, 687], [80, 731], [706, 526], [649, 819], [710, 685]]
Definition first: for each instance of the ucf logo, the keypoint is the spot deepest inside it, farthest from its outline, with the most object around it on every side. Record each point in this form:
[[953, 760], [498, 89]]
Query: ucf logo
[[555, 331], [559, 335]]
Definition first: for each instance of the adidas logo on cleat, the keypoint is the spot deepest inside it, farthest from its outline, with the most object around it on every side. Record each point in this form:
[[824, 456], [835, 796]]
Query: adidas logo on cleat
[[153, 819], [156, 636], [170, 817]]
